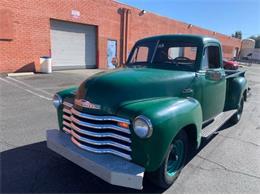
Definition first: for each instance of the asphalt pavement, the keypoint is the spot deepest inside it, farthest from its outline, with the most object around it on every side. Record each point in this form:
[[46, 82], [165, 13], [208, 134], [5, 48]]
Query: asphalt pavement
[[227, 163]]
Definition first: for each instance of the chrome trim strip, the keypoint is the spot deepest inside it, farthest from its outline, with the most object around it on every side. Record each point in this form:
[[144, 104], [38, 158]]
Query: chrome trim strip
[[101, 143], [111, 151], [68, 104], [99, 126], [67, 130], [66, 123], [99, 118], [93, 134], [66, 117], [66, 111]]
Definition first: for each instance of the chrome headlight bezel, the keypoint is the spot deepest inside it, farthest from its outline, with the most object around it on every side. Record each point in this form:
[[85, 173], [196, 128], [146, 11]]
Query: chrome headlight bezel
[[57, 101], [142, 127]]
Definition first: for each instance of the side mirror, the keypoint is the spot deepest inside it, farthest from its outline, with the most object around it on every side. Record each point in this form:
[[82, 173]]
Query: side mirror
[[213, 75]]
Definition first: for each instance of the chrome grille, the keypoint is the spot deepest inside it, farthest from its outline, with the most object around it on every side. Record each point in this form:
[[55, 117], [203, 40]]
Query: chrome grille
[[99, 134]]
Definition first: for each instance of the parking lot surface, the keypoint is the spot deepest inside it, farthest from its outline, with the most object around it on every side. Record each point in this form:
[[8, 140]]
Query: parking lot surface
[[227, 163]]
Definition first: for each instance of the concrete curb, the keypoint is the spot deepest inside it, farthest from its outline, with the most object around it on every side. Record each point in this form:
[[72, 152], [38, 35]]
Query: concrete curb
[[20, 74]]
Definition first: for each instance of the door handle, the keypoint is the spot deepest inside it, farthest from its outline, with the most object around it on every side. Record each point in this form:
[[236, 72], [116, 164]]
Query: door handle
[[187, 91]]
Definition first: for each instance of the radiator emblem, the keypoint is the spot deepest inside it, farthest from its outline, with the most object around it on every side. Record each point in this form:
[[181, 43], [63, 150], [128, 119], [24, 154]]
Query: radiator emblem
[[86, 104]]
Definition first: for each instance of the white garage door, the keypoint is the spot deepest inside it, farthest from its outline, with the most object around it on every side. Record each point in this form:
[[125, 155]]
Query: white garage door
[[72, 45]]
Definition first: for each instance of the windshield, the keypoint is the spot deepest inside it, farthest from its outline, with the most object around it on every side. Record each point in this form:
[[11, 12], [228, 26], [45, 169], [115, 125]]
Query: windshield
[[164, 54]]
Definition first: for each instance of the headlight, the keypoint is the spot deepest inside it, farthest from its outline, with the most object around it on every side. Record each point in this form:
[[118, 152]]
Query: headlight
[[142, 127], [57, 101]]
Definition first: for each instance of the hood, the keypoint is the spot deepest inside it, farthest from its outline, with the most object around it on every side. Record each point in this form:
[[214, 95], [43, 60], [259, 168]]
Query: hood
[[110, 90]]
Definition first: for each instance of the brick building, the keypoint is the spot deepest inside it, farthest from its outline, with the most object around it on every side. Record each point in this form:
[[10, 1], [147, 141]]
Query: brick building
[[81, 33]]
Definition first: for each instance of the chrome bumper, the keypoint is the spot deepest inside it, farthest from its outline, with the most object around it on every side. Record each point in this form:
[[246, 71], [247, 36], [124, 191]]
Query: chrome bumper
[[112, 169]]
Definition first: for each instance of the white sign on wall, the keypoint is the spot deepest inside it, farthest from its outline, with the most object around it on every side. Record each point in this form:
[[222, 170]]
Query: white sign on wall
[[75, 13]]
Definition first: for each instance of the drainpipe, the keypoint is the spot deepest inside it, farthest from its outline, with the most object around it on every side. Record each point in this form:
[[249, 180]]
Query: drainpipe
[[124, 34], [127, 22]]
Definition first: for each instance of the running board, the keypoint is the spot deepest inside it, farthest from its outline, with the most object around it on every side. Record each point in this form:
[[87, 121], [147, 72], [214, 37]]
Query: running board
[[218, 121]]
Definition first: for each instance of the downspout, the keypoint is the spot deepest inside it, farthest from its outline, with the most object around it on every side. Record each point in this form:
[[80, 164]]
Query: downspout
[[124, 34], [127, 23]]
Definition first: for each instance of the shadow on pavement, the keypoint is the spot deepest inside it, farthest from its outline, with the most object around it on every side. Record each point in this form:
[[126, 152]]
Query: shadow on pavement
[[36, 169]]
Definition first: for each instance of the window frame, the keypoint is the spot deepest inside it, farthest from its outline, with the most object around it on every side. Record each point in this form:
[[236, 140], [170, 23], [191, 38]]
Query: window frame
[[203, 57]]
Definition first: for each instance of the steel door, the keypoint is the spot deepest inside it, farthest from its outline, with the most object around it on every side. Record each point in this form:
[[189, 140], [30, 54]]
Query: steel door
[[72, 45], [111, 53]]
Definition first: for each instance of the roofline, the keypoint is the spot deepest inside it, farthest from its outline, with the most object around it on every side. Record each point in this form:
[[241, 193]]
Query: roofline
[[169, 18], [201, 38]]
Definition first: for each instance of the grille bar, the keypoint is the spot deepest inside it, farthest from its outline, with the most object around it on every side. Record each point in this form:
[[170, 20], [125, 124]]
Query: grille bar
[[100, 143], [100, 135], [67, 117], [68, 125], [101, 151], [99, 126], [67, 111], [67, 104], [67, 130], [99, 118]]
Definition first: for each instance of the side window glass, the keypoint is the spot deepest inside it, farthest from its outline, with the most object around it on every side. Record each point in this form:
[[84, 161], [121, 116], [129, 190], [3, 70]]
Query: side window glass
[[140, 54], [211, 58], [205, 60], [173, 52]]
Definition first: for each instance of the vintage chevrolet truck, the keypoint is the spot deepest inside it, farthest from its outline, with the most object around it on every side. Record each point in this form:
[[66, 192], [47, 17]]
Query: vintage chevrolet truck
[[147, 117]]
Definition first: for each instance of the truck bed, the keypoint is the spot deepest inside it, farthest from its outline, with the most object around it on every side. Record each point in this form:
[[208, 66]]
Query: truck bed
[[234, 73]]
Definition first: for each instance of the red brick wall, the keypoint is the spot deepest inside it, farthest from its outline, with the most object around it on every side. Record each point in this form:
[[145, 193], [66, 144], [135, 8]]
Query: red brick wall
[[27, 28]]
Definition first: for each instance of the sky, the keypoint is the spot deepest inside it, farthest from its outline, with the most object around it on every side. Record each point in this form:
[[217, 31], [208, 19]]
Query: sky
[[223, 16]]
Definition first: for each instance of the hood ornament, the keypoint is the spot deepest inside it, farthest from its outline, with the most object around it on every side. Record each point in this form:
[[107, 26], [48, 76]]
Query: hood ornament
[[86, 104]]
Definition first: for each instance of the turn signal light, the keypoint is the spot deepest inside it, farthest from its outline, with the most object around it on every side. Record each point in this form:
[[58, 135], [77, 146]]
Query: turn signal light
[[122, 124]]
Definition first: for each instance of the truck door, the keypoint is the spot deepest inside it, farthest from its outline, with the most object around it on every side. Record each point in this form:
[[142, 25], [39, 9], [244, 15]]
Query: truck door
[[213, 82]]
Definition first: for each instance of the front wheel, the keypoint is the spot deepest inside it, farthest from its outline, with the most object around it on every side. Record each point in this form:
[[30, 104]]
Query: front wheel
[[174, 161]]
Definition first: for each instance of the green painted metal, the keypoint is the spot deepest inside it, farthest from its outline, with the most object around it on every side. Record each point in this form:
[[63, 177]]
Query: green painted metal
[[67, 93], [171, 99], [168, 116], [116, 88], [236, 86], [213, 94]]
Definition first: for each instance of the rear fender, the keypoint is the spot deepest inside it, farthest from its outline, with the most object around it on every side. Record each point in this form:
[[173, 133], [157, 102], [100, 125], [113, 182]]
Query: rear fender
[[235, 91], [168, 117]]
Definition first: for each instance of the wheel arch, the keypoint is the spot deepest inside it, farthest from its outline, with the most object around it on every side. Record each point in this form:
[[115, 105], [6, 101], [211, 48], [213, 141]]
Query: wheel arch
[[192, 133]]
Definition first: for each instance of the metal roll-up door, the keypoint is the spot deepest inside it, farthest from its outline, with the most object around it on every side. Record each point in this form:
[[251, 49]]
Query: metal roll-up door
[[72, 45]]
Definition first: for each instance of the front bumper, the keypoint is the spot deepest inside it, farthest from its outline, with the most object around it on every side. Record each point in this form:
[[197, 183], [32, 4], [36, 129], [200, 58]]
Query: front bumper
[[112, 169]]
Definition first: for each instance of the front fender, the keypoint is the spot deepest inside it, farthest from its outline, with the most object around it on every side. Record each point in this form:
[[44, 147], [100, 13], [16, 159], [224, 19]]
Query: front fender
[[168, 116], [66, 93]]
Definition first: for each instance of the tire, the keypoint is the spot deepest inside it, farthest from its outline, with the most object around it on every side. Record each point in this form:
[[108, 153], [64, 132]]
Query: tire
[[173, 163], [237, 116]]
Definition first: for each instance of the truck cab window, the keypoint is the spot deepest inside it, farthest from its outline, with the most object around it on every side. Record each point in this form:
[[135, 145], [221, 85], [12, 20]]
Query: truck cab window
[[140, 54], [211, 58]]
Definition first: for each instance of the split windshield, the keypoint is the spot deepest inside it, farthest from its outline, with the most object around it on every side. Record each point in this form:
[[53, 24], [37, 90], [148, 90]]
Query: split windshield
[[164, 54]]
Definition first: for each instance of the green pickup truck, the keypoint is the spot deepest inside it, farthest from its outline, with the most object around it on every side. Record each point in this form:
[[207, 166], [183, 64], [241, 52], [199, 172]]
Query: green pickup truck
[[146, 118]]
